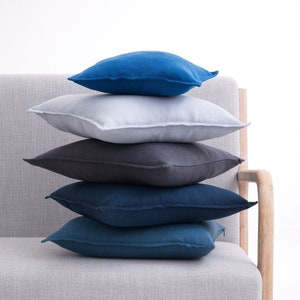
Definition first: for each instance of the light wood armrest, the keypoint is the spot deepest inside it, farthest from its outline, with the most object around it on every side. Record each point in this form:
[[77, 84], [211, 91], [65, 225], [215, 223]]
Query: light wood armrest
[[264, 184]]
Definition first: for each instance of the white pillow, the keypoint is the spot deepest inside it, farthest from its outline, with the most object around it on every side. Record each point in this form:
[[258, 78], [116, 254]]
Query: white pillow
[[136, 119]]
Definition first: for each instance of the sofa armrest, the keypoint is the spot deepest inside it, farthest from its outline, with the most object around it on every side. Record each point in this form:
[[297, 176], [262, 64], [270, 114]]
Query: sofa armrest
[[264, 184]]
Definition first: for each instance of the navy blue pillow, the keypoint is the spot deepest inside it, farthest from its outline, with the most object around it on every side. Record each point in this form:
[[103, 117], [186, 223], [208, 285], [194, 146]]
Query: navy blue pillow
[[92, 238], [130, 205], [143, 73]]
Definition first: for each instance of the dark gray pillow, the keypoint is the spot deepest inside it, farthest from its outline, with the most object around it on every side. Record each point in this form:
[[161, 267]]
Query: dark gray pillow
[[157, 164]]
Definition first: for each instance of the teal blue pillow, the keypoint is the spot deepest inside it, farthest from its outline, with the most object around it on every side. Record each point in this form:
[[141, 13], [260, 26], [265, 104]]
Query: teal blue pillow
[[143, 73], [134, 205], [92, 238]]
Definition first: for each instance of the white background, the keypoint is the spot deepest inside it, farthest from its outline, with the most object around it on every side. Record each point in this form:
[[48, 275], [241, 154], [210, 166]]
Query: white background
[[256, 42]]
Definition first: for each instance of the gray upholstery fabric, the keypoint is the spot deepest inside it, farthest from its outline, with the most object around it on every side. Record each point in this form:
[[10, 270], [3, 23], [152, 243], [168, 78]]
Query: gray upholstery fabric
[[23, 209], [31, 270], [35, 271]]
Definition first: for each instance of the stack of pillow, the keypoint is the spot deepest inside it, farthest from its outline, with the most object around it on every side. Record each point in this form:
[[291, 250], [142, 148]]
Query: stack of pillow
[[140, 165]]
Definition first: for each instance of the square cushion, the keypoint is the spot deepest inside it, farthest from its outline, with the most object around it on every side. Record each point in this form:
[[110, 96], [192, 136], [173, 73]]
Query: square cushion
[[133, 205], [158, 164], [138, 119], [143, 73], [92, 238]]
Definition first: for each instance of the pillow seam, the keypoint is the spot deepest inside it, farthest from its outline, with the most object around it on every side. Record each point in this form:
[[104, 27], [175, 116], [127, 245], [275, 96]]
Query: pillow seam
[[237, 160]]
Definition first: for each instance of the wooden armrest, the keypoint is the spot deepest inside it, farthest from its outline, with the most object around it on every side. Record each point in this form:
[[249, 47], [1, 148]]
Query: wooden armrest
[[264, 184]]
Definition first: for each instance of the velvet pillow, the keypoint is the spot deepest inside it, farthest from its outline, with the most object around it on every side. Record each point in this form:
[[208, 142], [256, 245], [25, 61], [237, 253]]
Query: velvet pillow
[[130, 205], [138, 119], [158, 164], [143, 73], [91, 238]]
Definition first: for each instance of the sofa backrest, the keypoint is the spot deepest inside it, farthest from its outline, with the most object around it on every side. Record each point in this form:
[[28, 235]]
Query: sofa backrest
[[23, 208]]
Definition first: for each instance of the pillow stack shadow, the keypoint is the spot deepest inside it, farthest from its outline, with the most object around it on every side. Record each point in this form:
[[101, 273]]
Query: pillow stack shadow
[[140, 165]]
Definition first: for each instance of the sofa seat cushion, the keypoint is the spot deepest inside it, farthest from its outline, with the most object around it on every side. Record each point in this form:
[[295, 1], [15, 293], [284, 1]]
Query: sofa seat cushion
[[31, 270]]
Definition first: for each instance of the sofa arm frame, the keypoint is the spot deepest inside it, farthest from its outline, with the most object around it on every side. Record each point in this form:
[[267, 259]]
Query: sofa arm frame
[[265, 197]]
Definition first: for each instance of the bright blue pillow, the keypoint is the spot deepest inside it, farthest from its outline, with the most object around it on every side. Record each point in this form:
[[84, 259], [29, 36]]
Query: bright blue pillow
[[133, 205], [143, 73], [92, 238]]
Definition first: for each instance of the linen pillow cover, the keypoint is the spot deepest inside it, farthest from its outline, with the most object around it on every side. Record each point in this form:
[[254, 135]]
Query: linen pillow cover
[[158, 164], [91, 238], [143, 73], [138, 119], [130, 205]]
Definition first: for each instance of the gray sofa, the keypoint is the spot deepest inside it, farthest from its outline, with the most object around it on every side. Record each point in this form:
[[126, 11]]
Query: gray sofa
[[32, 270]]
